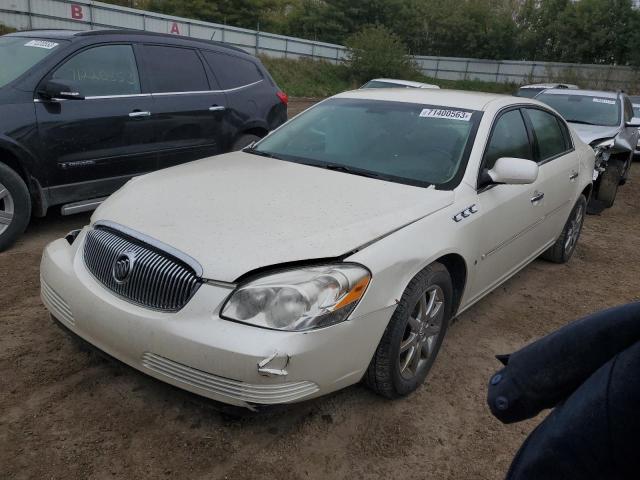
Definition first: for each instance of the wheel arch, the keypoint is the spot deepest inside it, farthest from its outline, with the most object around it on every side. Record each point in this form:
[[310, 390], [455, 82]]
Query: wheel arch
[[457, 267], [16, 161]]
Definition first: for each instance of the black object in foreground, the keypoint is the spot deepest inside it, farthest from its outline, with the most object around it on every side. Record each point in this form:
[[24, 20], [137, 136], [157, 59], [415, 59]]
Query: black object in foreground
[[589, 371]]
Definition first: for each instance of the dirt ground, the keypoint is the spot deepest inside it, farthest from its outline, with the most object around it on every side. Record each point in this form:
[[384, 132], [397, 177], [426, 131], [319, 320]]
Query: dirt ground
[[66, 413]]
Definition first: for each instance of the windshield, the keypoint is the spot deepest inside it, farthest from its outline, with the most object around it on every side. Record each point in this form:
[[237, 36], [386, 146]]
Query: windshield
[[379, 84], [585, 109], [19, 54], [636, 110], [401, 142]]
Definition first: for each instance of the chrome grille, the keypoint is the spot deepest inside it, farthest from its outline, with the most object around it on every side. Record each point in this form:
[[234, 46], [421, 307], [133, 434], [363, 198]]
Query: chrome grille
[[138, 272]]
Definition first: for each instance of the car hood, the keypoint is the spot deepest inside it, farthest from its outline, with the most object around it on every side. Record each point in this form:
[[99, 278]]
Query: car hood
[[589, 133], [238, 212]]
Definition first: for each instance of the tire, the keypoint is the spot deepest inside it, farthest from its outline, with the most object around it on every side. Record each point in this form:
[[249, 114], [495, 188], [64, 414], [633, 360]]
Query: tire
[[609, 183], [565, 245], [385, 374], [244, 141], [15, 206]]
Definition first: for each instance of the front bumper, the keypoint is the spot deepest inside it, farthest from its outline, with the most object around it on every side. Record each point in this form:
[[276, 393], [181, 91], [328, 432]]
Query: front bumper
[[196, 350]]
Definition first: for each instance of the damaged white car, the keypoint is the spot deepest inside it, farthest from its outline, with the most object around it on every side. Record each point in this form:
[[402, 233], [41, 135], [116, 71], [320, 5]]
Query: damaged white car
[[336, 249]]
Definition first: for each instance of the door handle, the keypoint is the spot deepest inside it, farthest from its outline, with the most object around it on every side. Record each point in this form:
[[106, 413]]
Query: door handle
[[573, 176], [138, 113], [216, 108], [537, 196]]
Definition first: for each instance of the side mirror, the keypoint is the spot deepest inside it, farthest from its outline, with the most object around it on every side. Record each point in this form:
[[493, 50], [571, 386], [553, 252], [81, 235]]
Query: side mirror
[[634, 122], [514, 171], [55, 90]]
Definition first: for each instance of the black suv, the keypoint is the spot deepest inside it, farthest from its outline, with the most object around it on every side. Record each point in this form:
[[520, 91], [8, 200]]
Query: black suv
[[82, 112]]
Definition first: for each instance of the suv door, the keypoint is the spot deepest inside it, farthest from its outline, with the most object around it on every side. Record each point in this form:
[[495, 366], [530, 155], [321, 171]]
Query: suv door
[[559, 169], [188, 112], [93, 146], [508, 235]]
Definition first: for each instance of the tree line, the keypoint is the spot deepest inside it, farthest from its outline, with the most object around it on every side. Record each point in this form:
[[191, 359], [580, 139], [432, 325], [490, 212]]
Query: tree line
[[575, 31]]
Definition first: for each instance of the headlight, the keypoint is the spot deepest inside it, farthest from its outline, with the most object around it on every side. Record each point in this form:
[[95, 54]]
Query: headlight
[[301, 299], [603, 149]]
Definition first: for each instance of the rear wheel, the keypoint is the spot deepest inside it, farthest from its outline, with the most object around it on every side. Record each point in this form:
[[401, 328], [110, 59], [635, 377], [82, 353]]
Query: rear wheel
[[565, 245], [15, 206], [609, 182], [414, 335], [244, 141]]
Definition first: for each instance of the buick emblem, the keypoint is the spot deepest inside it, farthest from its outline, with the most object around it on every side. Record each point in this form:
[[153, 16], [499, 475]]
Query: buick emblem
[[123, 266]]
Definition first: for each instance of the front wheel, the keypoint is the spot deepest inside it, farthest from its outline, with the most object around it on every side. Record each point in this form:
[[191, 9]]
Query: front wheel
[[565, 245], [414, 335], [609, 182], [15, 206]]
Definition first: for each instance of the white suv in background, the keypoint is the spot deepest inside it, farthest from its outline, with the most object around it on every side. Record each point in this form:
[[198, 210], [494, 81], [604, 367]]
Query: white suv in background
[[337, 248]]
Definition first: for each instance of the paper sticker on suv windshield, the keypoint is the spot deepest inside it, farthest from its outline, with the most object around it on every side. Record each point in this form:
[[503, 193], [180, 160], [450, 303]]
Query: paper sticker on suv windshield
[[450, 114], [604, 100], [41, 44]]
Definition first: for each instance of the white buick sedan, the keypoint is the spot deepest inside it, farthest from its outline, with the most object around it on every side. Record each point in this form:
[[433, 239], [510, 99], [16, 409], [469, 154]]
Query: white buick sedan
[[336, 249]]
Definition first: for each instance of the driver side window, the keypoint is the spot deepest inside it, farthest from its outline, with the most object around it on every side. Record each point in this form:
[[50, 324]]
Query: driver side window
[[508, 139], [102, 71]]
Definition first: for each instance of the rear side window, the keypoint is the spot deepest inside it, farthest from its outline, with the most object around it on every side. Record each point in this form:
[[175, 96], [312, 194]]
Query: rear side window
[[508, 139], [551, 141], [102, 71], [173, 69], [232, 71]]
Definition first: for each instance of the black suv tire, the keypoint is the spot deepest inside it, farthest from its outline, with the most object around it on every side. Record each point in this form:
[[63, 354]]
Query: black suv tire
[[15, 206]]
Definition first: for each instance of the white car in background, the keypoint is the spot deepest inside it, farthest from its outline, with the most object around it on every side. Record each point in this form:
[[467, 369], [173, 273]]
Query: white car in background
[[530, 91], [395, 83], [337, 248]]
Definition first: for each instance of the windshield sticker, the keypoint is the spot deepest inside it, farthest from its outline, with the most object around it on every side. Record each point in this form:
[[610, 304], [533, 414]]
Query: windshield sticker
[[604, 100], [41, 44], [450, 114]]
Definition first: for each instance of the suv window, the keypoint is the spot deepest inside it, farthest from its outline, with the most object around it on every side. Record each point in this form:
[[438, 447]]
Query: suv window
[[508, 139], [174, 69], [101, 71], [628, 109], [551, 141], [232, 71]]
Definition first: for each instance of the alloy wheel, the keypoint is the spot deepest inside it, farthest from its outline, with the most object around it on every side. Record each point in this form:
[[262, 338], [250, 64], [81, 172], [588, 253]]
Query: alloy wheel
[[575, 225], [6, 208], [419, 342]]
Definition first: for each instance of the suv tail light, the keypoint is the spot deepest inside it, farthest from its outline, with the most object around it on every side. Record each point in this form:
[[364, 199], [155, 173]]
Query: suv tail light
[[284, 98]]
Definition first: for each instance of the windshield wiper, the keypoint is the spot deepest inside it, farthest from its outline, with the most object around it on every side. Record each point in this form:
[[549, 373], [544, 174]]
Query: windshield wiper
[[581, 122], [345, 169], [260, 153]]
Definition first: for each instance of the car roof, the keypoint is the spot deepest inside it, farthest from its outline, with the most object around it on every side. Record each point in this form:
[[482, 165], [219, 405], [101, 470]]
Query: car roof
[[585, 93], [550, 85], [429, 96], [409, 83], [122, 32]]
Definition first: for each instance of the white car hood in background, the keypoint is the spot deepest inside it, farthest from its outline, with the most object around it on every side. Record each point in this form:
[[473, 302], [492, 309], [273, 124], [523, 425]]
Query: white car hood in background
[[589, 133], [237, 212]]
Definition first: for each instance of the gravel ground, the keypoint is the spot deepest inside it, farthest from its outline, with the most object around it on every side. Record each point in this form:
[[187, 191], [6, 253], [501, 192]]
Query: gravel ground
[[68, 413]]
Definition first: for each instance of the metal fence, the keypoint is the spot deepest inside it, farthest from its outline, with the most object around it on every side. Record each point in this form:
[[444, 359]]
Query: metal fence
[[85, 15]]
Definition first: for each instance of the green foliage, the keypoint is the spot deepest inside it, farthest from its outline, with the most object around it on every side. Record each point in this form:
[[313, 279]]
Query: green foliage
[[375, 51], [4, 29], [313, 78], [309, 78], [585, 31]]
